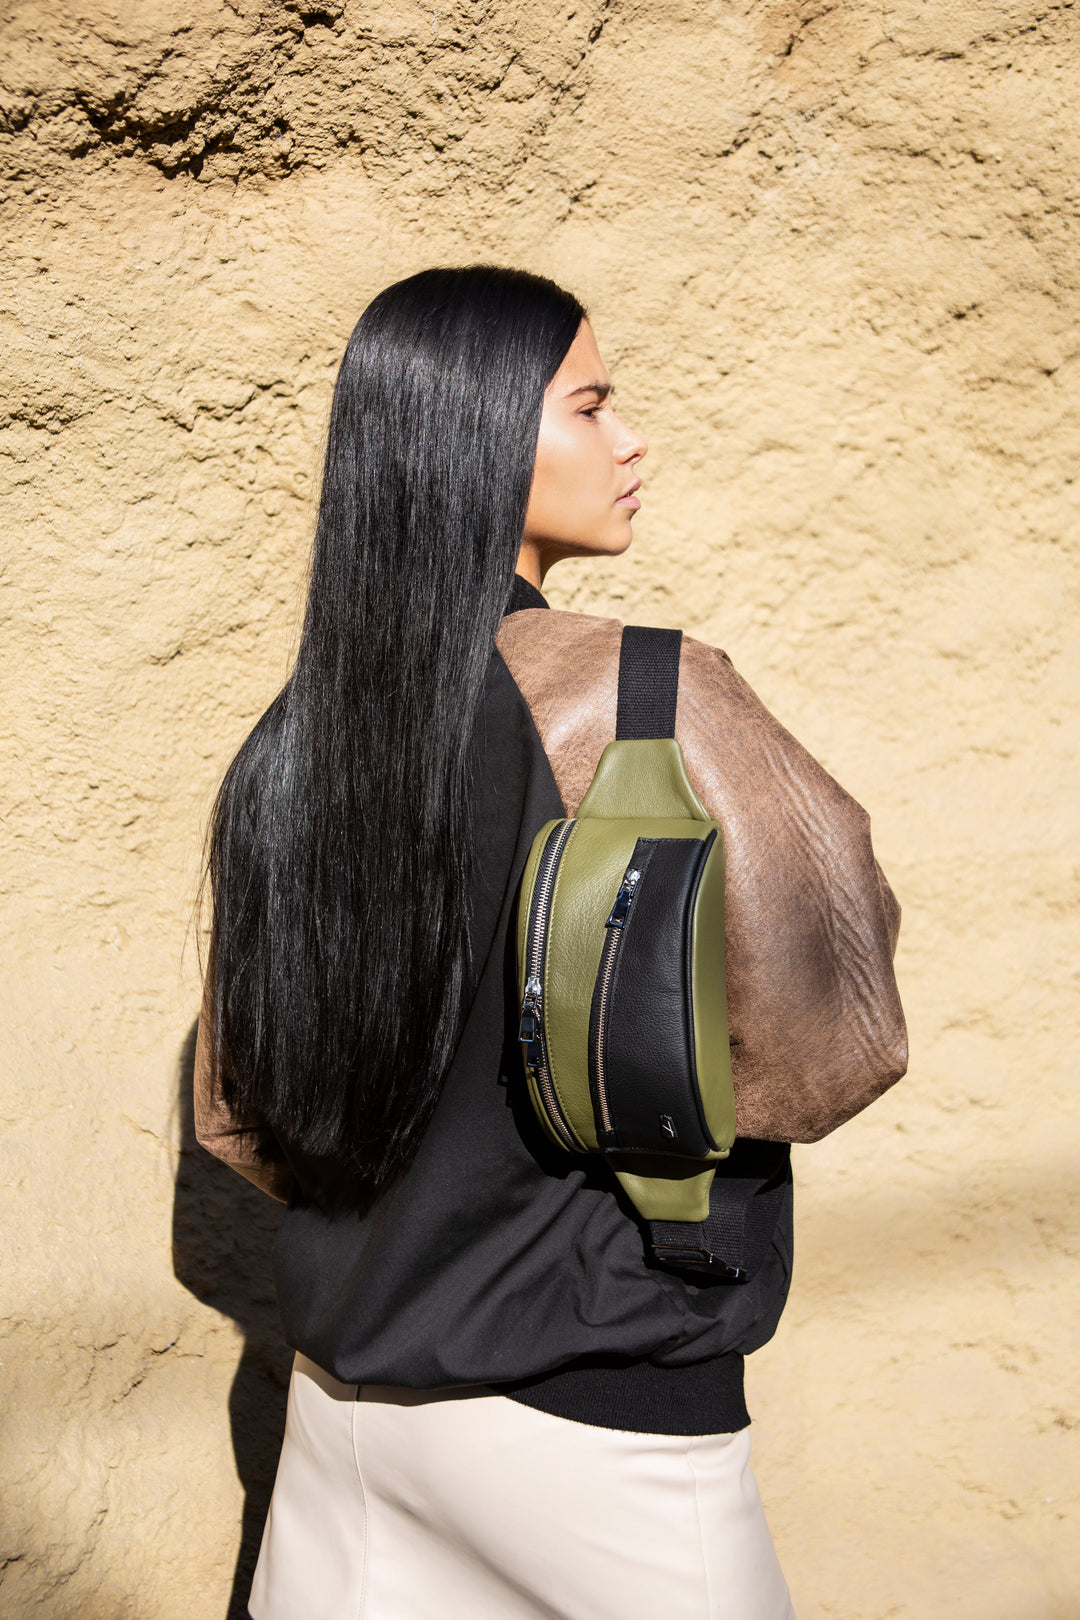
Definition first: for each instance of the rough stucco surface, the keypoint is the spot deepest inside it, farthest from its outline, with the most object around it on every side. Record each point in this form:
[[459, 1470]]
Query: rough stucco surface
[[831, 253]]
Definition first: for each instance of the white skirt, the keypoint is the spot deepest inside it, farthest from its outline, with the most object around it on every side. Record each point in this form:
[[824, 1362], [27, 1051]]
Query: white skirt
[[465, 1505]]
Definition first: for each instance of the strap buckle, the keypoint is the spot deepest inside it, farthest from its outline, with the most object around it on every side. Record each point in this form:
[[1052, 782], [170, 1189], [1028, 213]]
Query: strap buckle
[[693, 1258]]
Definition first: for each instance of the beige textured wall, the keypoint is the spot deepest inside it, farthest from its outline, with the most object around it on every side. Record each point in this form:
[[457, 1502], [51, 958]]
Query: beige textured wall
[[831, 252]]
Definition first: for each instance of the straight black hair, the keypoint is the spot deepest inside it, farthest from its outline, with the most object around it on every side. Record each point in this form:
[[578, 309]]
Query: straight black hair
[[338, 851]]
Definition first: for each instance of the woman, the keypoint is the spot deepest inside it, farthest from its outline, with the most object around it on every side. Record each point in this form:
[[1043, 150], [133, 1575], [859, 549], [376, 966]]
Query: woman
[[499, 1406]]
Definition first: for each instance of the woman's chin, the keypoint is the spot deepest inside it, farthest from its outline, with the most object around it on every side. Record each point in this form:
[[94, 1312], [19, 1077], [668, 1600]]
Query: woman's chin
[[622, 540], [611, 542]]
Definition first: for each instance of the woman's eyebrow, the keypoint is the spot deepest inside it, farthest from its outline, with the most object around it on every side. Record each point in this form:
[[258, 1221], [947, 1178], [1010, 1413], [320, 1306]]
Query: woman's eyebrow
[[603, 389]]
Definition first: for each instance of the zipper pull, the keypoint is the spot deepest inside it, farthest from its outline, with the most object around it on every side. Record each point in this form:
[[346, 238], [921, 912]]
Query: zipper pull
[[623, 899], [529, 1032]]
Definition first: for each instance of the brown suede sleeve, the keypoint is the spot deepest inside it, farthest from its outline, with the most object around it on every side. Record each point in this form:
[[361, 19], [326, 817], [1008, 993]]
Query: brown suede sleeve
[[247, 1148], [817, 1030]]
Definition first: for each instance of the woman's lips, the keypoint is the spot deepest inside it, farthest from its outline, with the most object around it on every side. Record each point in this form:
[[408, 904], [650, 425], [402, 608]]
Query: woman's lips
[[629, 499]]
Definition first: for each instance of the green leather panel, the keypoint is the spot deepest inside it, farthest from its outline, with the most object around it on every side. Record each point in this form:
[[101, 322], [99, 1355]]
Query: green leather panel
[[709, 991], [528, 883], [681, 1196], [585, 890], [642, 779]]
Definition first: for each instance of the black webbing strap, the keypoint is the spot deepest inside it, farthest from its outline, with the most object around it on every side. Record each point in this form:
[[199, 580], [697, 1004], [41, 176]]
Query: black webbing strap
[[743, 1211], [648, 683], [748, 1188]]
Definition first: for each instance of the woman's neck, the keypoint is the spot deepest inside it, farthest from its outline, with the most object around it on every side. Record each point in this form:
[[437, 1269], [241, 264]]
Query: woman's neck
[[530, 565]]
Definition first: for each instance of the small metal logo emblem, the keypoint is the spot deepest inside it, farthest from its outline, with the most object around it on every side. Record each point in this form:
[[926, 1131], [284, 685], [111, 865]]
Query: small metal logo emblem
[[667, 1125]]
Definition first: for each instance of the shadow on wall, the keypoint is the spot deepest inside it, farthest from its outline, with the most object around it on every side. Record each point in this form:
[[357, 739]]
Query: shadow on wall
[[223, 1232]]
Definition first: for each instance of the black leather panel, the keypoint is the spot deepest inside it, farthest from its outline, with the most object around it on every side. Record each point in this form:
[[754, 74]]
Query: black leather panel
[[648, 1058]]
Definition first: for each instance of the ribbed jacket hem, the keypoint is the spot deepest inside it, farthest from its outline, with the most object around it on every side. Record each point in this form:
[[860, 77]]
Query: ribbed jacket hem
[[705, 1398]]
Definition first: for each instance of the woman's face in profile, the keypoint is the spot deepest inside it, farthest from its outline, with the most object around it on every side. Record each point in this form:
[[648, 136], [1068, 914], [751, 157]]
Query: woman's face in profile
[[583, 495]]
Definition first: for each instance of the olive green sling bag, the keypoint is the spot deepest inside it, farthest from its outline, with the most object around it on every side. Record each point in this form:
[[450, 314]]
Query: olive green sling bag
[[621, 973]]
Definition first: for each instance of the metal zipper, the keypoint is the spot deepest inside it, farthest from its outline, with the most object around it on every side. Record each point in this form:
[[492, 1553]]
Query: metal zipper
[[531, 1033], [614, 925]]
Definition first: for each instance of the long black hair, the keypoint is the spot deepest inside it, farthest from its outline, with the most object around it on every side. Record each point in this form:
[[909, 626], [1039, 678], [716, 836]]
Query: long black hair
[[339, 844]]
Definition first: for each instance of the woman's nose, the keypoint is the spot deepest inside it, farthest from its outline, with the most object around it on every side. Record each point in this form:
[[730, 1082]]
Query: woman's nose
[[630, 446]]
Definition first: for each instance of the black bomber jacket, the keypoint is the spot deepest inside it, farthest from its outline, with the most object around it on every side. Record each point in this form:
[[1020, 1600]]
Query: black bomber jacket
[[497, 1259]]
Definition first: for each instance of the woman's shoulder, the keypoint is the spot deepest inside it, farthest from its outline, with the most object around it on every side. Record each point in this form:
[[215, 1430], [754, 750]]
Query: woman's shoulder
[[566, 666], [547, 644], [815, 1019], [555, 649]]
